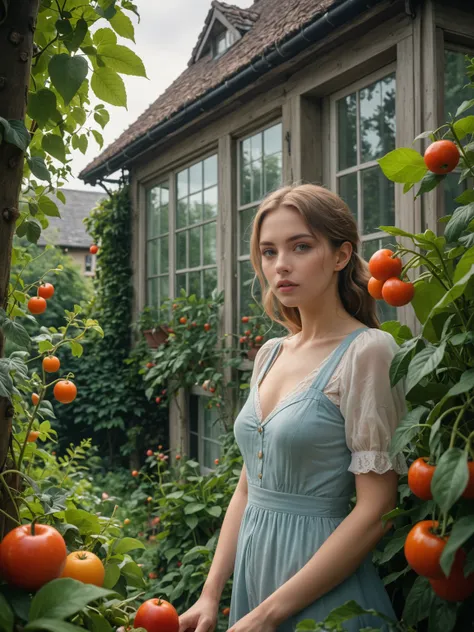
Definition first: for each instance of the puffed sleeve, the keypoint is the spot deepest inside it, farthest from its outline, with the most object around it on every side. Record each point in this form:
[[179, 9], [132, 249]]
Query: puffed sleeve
[[372, 409], [261, 358]]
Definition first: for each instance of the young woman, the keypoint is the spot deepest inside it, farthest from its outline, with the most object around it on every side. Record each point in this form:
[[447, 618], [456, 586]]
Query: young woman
[[316, 429]]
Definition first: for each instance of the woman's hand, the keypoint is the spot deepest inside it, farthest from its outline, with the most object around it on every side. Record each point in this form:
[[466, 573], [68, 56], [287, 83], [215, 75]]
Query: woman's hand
[[254, 621], [202, 617]]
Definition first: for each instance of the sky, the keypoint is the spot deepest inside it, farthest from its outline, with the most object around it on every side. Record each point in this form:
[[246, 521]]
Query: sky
[[165, 37]]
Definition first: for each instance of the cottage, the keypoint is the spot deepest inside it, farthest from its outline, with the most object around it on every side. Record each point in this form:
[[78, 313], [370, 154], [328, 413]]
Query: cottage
[[284, 91]]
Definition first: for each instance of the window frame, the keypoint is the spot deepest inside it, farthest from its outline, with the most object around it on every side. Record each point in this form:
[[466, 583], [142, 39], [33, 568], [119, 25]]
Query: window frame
[[159, 237], [200, 436]]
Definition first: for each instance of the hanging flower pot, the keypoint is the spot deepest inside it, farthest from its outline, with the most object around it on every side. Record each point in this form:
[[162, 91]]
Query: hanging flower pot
[[155, 337]]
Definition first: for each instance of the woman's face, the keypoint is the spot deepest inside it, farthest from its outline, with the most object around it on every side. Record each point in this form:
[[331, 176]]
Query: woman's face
[[299, 268]]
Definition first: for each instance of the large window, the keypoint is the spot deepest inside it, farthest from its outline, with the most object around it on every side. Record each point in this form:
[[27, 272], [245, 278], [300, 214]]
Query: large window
[[196, 193], [260, 169], [364, 130], [205, 431], [157, 236]]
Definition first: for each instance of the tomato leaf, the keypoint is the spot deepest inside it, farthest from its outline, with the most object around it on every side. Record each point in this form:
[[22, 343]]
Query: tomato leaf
[[62, 598], [463, 529], [52, 625], [430, 181], [418, 601], [450, 478], [6, 616], [127, 544], [401, 361], [424, 363], [403, 165], [442, 617], [16, 333], [459, 221], [407, 429]]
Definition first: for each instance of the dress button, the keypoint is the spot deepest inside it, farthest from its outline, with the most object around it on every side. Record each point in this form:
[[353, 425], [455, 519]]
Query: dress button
[[260, 475], [260, 454], [260, 429]]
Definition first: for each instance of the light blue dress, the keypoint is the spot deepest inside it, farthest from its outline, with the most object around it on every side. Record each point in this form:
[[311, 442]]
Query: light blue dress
[[299, 489]]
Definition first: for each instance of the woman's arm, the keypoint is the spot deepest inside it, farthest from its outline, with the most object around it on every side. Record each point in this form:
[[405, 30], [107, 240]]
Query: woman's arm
[[341, 554], [224, 558]]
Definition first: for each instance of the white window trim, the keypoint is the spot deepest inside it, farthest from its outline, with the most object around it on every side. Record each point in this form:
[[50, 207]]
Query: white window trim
[[157, 238]]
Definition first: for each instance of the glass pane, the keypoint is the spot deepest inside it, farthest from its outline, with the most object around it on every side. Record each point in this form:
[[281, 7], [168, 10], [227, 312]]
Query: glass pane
[[194, 413], [195, 283], [210, 203], [257, 187], [378, 200], [386, 312], [456, 89], [209, 243], [181, 283], [182, 179], [348, 192], [164, 255], [195, 208], [211, 452], [245, 151], [246, 278], [245, 219], [272, 173], [256, 147], [181, 250], [347, 131], [152, 212], [182, 214], [245, 183], [210, 281], [165, 194], [371, 246], [164, 228], [210, 171], [377, 119], [164, 288], [152, 292], [195, 178], [195, 247], [272, 143], [152, 258]]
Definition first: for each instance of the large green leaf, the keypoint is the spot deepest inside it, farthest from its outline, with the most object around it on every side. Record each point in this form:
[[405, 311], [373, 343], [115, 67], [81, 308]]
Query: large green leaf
[[32, 230], [418, 601], [42, 106], [464, 265], [464, 126], [127, 544], [453, 293], [15, 133], [122, 25], [6, 616], [401, 360], [461, 532], [459, 221], [122, 59], [54, 145], [67, 74], [38, 168], [427, 295], [407, 429], [104, 36], [403, 165], [424, 363], [52, 625], [48, 207], [450, 478], [62, 598], [108, 86], [16, 332]]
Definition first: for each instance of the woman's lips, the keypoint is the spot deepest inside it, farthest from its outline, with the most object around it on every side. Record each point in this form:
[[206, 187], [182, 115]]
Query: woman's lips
[[287, 288]]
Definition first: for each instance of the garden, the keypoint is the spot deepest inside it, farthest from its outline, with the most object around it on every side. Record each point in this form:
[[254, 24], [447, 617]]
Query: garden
[[102, 527]]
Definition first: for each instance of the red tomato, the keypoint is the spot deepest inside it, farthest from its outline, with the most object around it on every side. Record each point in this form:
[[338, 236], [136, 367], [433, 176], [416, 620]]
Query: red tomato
[[207, 326], [157, 615], [149, 452], [226, 612], [32, 436], [51, 364], [85, 567], [455, 587], [382, 265], [423, 549], [37, 305], [94, 249], [46, 290], [135, 473], [65, 391], [469, 491], [245, 319], [442, 156], [30, 561], [397, 293], [374, 288], [183, 320], [420, 475]]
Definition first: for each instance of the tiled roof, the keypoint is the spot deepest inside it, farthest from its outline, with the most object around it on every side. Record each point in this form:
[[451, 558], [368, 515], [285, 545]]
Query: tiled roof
[[278, 19], [69, 230]]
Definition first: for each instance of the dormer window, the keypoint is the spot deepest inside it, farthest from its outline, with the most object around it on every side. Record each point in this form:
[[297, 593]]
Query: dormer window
[[222, 42]]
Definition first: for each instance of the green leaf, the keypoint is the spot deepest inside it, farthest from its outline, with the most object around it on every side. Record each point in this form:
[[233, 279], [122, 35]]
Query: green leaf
[[79, 141], [454, 292], [465, 105], [15, 133], [53, 145], [42, 106], [108, 86], [427, 295], [193, 508], [191, 521], [76, 348], [16, 333], [7, 619], [102, 117], [442, 616], [464, 126], [450, 478], [86, 522], [99, 623], [430, 181], [79, 115], [424, 363], [127, 544], [67, 74], [123, 26], [74, 41], [407, 429], [463, 529], [464, 265], [459, 221], [33, 230], [418, 601], [52, 625], [122, 59], [403, 165], [466, 197], [104, 36], [215, 511], [112, 575], [63, 598], [48, 207], [99, 139], [401, 361], [465, 384], [38, 168]]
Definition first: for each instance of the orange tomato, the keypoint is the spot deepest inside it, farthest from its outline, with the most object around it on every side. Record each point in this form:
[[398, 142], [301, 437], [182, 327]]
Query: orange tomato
[[245, 319], [30, 560], [65, 391], [86, 567], [469, 491], [455, 587], [442, 156], [423, 549], [374, 288], [397, 293], [32, 436], [382, 265], [35, 398], [46, 290], [420, 475], [226, 612], [157, 615], [37, 305], [51, 364], [134, 473], [183, 320]]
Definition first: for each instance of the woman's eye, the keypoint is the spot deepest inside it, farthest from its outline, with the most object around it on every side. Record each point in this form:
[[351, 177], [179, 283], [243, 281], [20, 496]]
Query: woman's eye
[[302, 246], [268, 252]]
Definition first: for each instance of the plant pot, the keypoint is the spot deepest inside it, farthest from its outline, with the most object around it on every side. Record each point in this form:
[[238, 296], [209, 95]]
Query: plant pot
[[155, 337], [252, 352]]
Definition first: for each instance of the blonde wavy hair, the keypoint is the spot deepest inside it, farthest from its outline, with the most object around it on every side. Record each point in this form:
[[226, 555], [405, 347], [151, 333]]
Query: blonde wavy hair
[[325, 214]]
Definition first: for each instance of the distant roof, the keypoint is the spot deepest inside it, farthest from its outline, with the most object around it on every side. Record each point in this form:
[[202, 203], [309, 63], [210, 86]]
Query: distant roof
[[69, 230], [277, 20]]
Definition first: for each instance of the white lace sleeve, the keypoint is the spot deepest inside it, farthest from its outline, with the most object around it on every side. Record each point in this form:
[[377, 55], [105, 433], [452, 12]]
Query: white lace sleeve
[[261, 358], [372, 409]]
